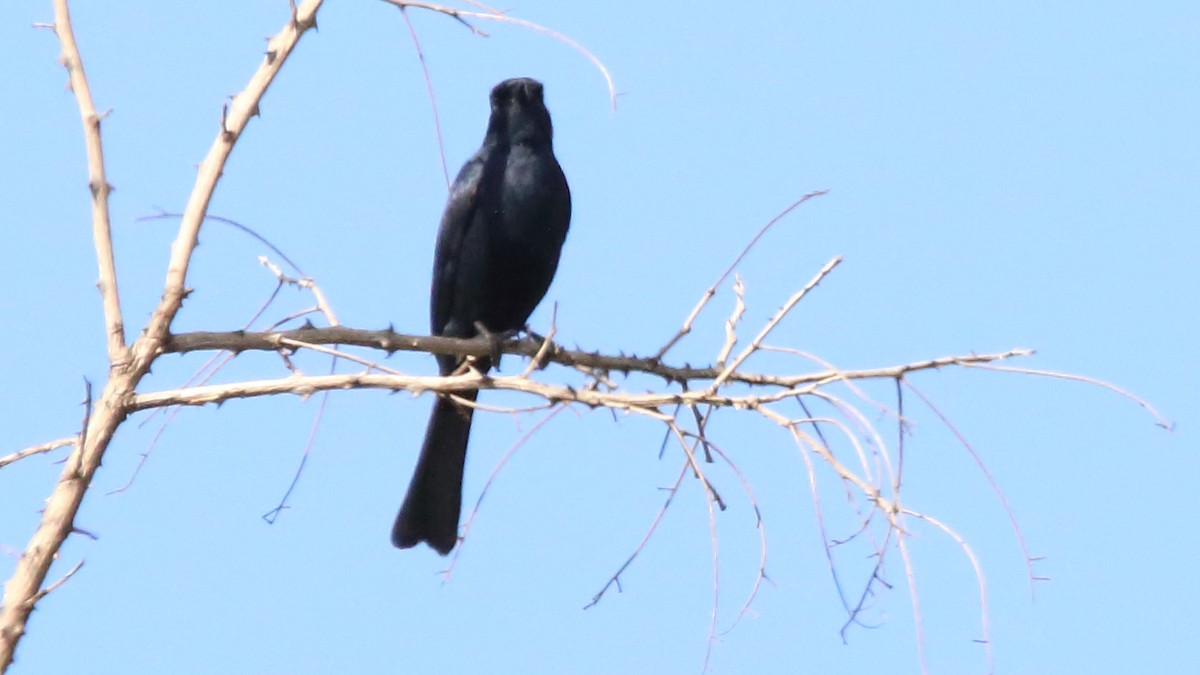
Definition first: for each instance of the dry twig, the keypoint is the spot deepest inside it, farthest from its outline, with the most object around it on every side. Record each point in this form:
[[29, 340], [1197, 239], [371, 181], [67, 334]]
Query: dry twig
[[493, 15], [37, 450]]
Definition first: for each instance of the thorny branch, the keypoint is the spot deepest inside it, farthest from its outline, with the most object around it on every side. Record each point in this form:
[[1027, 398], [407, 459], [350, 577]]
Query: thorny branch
[[712, 290], [127, 366], [305, 385], [389, 341], [872, 477], [97, 184]]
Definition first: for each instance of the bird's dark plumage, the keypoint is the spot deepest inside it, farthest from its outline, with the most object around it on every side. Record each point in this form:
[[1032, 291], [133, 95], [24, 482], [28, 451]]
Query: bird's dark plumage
[[497, 251]]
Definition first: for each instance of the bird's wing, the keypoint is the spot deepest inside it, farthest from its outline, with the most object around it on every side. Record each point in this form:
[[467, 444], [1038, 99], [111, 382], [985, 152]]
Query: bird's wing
[[456, 221]]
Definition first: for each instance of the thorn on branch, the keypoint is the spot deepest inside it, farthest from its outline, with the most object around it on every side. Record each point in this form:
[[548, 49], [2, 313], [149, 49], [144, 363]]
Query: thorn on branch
[[226, 134], [99, 190], [87, 414]]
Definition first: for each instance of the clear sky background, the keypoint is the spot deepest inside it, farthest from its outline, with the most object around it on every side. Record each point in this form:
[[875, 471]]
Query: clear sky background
[[1015, 175]]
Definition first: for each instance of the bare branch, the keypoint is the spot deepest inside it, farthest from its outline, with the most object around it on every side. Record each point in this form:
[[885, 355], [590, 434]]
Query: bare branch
[[915, 598], [774, 321], [273, 514], [1159, 419], [97, 184], [995, 485], [239, 112], [462, 16], [128, 369], [761, 576], [985, 622], [437, 119], [615, 579], [712, 290], [739, 309], [636, 402], [306, 283], [539, 359], [451, 12], [391, 341], [37, 450], [246, 229]]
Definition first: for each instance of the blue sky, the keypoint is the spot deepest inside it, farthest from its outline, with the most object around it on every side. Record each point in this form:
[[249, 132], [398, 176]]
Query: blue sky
[[1005, 176]]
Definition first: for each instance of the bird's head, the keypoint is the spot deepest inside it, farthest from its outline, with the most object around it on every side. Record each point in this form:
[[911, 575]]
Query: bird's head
[[519, 113]]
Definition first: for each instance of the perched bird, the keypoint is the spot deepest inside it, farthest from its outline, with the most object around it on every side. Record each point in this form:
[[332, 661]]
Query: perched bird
[[497, 251]]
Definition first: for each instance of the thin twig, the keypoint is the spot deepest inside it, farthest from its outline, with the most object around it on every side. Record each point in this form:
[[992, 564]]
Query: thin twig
[[221, 359], [714, 542], [236, 225], [437, 120], [487, 485], [915, 599], [697, 470], [539, 359], [739, 309], [761, 575], [615, 579], [992, 482], [54, 586], [305, 283], [340, 354], [980, 581], [1159, 419], [273, 514], [774, 321], [712, 290], [37, 450], [500, 17]]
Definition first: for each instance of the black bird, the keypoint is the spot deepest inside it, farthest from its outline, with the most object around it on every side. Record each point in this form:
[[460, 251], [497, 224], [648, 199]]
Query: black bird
[[497, 250]]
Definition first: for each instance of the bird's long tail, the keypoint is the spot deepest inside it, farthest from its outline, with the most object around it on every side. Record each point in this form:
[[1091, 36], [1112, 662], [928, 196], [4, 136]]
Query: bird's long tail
[[431, 508]]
